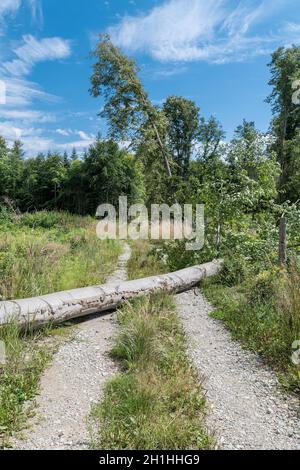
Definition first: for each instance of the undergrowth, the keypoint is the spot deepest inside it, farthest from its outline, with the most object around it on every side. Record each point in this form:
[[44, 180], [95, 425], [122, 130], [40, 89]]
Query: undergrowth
[[47, 252], [41, 253], [263, 312]]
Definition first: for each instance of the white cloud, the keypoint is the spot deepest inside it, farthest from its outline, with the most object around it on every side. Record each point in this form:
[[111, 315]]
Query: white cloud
[[36, 11], [22, 93], [19, 117], [70, 132], [31, 137], [170, 31], [35, 141], [33, 51], [64, 132], [9, 131], [84, 136], [294, 27], [186, 30], [291, 33], [80, 145], [27, 115], [9, 6]]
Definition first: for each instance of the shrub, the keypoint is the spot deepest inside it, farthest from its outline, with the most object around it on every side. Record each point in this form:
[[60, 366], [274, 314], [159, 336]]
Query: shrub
[[234, 271]]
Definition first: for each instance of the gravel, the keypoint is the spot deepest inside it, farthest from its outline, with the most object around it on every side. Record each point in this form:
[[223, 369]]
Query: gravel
[[247, 408], [74, 381]]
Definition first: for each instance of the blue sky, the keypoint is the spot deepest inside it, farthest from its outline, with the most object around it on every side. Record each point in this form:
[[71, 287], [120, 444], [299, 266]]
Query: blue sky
[[212, 51]]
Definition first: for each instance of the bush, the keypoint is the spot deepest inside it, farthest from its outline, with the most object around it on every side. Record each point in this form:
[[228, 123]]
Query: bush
[[234, 271], [45, 219], [263, 287]]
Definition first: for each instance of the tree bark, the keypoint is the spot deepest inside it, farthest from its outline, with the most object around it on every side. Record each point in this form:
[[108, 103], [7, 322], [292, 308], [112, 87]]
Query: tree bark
[[76, 303]]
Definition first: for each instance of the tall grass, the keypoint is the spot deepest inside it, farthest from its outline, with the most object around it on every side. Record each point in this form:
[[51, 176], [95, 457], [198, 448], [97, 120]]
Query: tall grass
[[26, 358], [47, 252], [263, 312], [41, 253], [157, 402], [145, 260]]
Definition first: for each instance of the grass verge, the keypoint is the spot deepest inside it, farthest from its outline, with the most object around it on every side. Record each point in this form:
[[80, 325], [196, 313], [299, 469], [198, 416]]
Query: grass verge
[[156, 402], [27, 355], [263, 313], [42, 253]]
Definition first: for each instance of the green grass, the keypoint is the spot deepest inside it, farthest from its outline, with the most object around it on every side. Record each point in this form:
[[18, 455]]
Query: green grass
[[263, 313], [48, 252], [27, 355], [42, 253], [156, 402], [144, 261]]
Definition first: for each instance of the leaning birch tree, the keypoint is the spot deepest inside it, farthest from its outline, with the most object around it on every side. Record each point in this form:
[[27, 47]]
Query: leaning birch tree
[[127, 106]]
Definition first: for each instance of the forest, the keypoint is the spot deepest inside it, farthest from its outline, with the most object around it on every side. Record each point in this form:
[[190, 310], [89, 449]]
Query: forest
[[156, 154]]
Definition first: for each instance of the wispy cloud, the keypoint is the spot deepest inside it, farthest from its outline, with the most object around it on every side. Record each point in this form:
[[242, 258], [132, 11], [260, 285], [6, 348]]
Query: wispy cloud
[[71, 132], [35, 140], [170, 72], [211, 30], [37, 12], [9, 6], [33, 51], [63, 132], [21, 117], [27, 115]]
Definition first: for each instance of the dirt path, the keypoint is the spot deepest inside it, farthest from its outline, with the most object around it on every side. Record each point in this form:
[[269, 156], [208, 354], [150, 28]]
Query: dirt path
[[74, 381], [248, 410]]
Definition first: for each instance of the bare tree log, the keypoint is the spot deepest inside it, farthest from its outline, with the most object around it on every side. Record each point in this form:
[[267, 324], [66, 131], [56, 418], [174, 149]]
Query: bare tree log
[[63, 306]]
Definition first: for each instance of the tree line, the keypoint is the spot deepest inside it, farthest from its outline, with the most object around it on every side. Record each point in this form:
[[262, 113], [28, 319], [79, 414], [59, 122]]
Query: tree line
[[175, 153]]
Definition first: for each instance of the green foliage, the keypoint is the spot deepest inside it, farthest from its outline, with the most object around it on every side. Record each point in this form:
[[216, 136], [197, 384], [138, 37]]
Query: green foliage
[[112, 173], [210, 135], [54, 181], [116, 78], [285, 69], [234, 271], [145, 261], [183, 124], [19, 377]]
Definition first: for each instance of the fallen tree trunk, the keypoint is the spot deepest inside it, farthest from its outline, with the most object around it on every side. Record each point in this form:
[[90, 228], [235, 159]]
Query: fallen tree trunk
[[63, 306]]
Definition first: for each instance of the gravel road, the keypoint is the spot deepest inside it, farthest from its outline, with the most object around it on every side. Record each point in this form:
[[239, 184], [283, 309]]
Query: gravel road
[[73, 382], [248, 410], [247, 407]]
